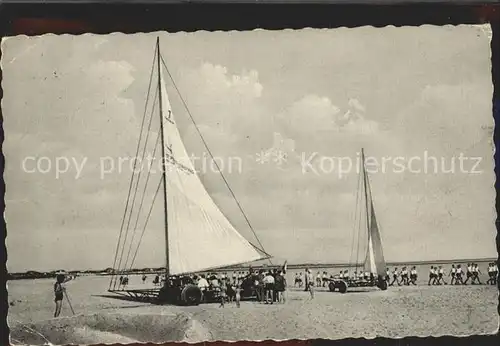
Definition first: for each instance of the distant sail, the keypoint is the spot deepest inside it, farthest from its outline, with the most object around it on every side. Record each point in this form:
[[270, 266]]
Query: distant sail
[[200, 236], [375, 262]]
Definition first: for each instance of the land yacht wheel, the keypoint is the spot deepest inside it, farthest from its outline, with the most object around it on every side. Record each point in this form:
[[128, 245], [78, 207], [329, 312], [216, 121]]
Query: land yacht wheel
[[191, 295], [382, 284], [342, 286], [331, 287]]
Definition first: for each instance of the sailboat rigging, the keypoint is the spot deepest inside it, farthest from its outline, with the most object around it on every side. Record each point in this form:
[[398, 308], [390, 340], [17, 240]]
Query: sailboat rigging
[[198, 236], [373, 271]]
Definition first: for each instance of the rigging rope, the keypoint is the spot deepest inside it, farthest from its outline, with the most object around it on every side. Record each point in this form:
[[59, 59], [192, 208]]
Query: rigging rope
[[113, 277], [216, 164], [146, 222], [138, 179], [136, 186], [142, 200]]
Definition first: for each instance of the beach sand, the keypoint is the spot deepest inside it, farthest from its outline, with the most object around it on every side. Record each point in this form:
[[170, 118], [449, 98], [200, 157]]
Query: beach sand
[[397, 312]]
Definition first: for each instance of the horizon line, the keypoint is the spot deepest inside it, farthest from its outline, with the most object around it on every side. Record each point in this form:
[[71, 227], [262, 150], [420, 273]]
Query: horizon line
[[303, 264]]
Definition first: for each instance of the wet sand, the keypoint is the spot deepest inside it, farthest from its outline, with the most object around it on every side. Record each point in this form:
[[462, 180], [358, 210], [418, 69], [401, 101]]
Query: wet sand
[[398, 312]]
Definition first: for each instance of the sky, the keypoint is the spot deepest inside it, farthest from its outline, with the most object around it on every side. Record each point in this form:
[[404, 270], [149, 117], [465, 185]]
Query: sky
[[280, 107]]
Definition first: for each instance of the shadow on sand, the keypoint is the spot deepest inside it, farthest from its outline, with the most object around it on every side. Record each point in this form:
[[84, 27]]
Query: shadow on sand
[[128, 299]]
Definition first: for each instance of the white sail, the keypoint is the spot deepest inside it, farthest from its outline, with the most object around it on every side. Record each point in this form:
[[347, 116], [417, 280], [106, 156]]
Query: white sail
[[374, 262], [200, 237]]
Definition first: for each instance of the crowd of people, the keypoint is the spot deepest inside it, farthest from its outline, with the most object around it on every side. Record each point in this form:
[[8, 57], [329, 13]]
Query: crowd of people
[[270, 286], [407, 276], [458, 274]]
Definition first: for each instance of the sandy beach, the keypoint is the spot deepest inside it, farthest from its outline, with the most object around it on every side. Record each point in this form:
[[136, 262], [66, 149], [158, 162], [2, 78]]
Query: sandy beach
[[398, 312]]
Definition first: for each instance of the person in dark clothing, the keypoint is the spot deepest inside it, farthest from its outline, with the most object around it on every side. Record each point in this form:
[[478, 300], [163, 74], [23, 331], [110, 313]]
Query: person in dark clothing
[[275, 292], [279, 285], [59, 291]]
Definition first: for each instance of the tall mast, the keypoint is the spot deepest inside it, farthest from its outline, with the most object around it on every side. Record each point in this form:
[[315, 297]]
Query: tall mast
[[366, 191], [164, 171]]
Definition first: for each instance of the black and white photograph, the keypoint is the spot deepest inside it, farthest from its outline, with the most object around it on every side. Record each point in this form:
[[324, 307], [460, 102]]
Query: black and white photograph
[[249, 185]]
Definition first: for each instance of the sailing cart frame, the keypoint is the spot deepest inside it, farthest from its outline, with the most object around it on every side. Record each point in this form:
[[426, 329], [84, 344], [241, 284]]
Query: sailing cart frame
[[342, 285], [184, 292], [187, 197], [374, 262]]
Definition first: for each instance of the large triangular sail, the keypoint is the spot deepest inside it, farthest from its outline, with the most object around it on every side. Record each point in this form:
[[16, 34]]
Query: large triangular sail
[[200, 237], [374, 260]]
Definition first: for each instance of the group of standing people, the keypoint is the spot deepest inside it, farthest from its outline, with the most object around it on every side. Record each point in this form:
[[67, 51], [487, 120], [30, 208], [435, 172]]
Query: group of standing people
[[270, 286]]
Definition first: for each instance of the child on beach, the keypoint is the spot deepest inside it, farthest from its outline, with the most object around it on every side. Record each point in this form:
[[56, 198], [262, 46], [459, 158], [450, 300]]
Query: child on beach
[[237, 298], [222, 295], [59, 291]]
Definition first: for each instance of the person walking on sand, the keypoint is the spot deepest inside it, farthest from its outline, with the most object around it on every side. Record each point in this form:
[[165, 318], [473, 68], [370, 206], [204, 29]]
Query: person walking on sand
[[475, 274], [490, 272], [469, 273], [297, 280], [413, 276], [144, 277], [310, 283], [404, 276], [59, 291], [495, 273], [453, 274], [458, 276], [441, 276], [432, 279], [306, 280], [387, 275], [395, 277]]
